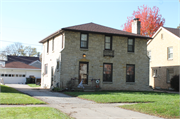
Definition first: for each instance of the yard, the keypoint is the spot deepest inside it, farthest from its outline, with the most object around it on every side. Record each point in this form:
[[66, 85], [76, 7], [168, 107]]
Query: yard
[[153, 103], [33, 85], [10, 96], [32, 113]]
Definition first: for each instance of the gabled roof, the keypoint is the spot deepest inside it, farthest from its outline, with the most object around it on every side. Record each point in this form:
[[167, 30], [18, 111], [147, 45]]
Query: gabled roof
[[19, 65], [95, 28], [23, 59], [175, 31]]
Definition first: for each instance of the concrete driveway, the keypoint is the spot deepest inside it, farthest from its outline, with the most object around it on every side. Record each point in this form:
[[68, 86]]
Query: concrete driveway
[[79, 108]]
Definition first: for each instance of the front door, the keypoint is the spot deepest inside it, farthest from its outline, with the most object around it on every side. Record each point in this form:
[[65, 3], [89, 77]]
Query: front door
[[52, 75], [83, 72]]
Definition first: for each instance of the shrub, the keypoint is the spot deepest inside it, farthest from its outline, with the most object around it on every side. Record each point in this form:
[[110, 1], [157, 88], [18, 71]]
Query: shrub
[[175, 82], [56, 89]]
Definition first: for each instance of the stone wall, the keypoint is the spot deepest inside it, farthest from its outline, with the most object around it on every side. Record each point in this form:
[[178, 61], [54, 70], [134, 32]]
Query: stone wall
[[72, 55], [161, 81]]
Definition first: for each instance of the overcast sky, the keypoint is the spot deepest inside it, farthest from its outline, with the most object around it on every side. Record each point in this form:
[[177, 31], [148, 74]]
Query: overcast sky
[[29, 21]]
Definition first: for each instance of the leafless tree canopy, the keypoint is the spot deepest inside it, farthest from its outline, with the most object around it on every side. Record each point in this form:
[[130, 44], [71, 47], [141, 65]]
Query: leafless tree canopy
[[17, 49]]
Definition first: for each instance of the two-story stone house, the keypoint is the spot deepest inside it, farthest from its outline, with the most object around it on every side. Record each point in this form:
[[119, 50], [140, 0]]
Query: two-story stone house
[[91, 51], [164, 53]]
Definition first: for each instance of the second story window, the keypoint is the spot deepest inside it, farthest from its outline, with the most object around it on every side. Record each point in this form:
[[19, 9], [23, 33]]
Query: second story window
[[53, 44], [130, 45], [48, 46], [170, 52], [108, 43], [84, 41]]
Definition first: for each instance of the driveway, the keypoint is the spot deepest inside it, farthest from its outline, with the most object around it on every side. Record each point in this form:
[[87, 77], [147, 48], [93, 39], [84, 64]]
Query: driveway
[[79, 108]]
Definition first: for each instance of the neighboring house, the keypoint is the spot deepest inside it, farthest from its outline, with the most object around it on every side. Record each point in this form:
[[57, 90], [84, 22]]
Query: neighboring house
[[164, 53], [91, 51], [17, 68]]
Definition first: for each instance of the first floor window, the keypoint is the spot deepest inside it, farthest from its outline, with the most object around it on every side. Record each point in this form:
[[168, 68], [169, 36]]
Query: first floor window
[[46, 69], [170, 52], [170, 74], [107, 72], [130, 73], [149, 54], [154, 74], [57, 64]]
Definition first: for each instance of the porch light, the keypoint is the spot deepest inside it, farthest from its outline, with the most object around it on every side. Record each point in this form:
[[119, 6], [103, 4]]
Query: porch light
[[84, 55]]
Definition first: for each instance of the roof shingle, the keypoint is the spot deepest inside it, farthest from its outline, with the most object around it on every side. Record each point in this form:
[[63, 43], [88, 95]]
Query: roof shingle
[[23, 59], [95, 28], [175, 31], [19, 65]]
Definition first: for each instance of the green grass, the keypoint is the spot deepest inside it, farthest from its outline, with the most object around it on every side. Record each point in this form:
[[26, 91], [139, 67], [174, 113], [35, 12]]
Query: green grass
[[31, 113], [33, 85], [154, 103], [11, 96]]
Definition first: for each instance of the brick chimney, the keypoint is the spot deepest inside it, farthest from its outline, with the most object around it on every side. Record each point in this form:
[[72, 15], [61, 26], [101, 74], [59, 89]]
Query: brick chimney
[[136, 26]]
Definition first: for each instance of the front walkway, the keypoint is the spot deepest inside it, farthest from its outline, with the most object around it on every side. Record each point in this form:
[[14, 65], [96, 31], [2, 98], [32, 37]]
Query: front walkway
[[79, 108]]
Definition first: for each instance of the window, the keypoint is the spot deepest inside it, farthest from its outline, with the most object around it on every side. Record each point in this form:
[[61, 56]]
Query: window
[[2, 74], [170, 74], [162, 36], [13, 75], [170, 52], [107, 72], [9, 75], [108, 43], [130, 73], [20, 75], [84, 40], [24, 75], [6, 75], [149, 54], [48, 46], [53, 44], [57, 64], [154, 74], [130, 45], [46, 69], [16, 75]]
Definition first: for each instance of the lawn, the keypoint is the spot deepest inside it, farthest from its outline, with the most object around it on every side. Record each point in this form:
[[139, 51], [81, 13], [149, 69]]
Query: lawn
[[154, 103], [11, 96], [31, 113], [33, 85]]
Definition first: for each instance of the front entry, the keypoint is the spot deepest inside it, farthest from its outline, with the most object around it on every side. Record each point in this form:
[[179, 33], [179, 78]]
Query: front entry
[[83, 72]]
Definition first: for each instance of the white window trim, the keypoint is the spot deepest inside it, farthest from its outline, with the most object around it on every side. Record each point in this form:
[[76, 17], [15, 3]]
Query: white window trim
[[168, 49]]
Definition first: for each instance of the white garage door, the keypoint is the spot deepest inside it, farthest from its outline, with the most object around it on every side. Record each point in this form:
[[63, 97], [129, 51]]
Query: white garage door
[[14, 78]]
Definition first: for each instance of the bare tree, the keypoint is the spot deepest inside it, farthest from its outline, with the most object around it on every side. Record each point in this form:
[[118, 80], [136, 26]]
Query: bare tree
[[30, 51], [17, 49]]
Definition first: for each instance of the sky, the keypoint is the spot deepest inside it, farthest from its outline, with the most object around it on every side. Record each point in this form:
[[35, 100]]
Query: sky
[[29, 21]]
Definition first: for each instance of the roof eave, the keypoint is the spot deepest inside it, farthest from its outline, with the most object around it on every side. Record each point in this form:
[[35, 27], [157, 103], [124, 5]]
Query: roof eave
[[65, 29], [51, 36]]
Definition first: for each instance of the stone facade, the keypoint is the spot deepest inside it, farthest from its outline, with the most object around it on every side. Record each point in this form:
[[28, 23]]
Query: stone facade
[[70, 55], [159, 58]]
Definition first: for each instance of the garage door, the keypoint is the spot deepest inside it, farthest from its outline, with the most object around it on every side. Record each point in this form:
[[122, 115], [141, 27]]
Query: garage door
[[18, 78]]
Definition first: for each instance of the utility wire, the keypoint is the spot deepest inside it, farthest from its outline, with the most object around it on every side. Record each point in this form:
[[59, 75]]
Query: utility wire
[[19, 42]]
